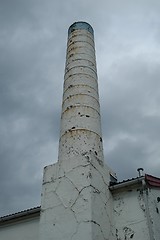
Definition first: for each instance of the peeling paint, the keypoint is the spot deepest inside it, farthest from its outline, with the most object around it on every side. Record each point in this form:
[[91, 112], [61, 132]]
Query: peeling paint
[[128, 233]]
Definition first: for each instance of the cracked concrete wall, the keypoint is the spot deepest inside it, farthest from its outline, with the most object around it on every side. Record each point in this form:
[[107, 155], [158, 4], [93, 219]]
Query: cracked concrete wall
[[130, 220], [76, 202]]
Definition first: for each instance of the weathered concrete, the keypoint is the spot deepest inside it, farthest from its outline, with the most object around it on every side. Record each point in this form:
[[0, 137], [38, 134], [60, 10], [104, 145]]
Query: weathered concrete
[[153, 202], [130, 220], [76, 202], [136, 210]]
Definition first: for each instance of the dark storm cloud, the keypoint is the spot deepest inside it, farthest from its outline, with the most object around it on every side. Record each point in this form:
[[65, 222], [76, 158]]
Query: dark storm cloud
[[28, 103], [132, 116], [33, 38], [129, 70]]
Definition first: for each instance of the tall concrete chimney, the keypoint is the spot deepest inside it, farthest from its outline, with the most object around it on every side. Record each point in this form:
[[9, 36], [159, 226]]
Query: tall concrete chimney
[[80, 120], [76, 203]]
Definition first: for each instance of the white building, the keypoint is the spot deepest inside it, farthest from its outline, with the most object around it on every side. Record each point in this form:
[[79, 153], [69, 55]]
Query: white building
[[81, 198]]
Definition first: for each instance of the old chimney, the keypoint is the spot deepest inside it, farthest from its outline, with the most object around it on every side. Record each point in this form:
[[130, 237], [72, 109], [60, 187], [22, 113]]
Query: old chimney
[[80, 119], [76, 202]]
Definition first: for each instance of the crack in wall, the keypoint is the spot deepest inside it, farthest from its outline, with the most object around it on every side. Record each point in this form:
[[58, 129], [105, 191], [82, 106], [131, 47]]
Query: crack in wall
[[80, 201]]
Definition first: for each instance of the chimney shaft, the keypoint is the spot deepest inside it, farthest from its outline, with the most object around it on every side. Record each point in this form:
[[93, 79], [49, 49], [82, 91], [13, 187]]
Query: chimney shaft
[[80, 118], [76, 202]]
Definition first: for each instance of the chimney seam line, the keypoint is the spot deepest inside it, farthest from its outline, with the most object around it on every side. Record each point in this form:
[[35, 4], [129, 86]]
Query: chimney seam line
[[74, 42], [79, 129], [86, 54], [79, 85], [80, 67], [70, 96], [86, 74], [83, 106]]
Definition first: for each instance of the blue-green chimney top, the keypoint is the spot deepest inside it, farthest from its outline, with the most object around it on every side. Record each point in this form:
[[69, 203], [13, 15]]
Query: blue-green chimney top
[[80, 25]]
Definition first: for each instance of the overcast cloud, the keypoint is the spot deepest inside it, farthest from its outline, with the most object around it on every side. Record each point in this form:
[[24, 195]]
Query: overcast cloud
[[33, 37]]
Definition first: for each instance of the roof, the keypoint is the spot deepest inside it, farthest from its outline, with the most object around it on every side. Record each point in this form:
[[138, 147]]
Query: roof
[[126, 181], [152, 181], [129, 183], [28, 213]]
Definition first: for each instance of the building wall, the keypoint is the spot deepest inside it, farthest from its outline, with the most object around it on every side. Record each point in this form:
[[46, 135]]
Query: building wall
[[136, 215], [154, 211], [130, 220], [23, 230]]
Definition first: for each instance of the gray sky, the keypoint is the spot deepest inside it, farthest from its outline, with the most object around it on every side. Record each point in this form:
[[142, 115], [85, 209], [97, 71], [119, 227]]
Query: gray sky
[[33, 37]]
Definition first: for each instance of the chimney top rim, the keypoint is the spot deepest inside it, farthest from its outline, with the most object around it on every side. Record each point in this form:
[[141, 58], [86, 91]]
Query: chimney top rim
[[80, 25]]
